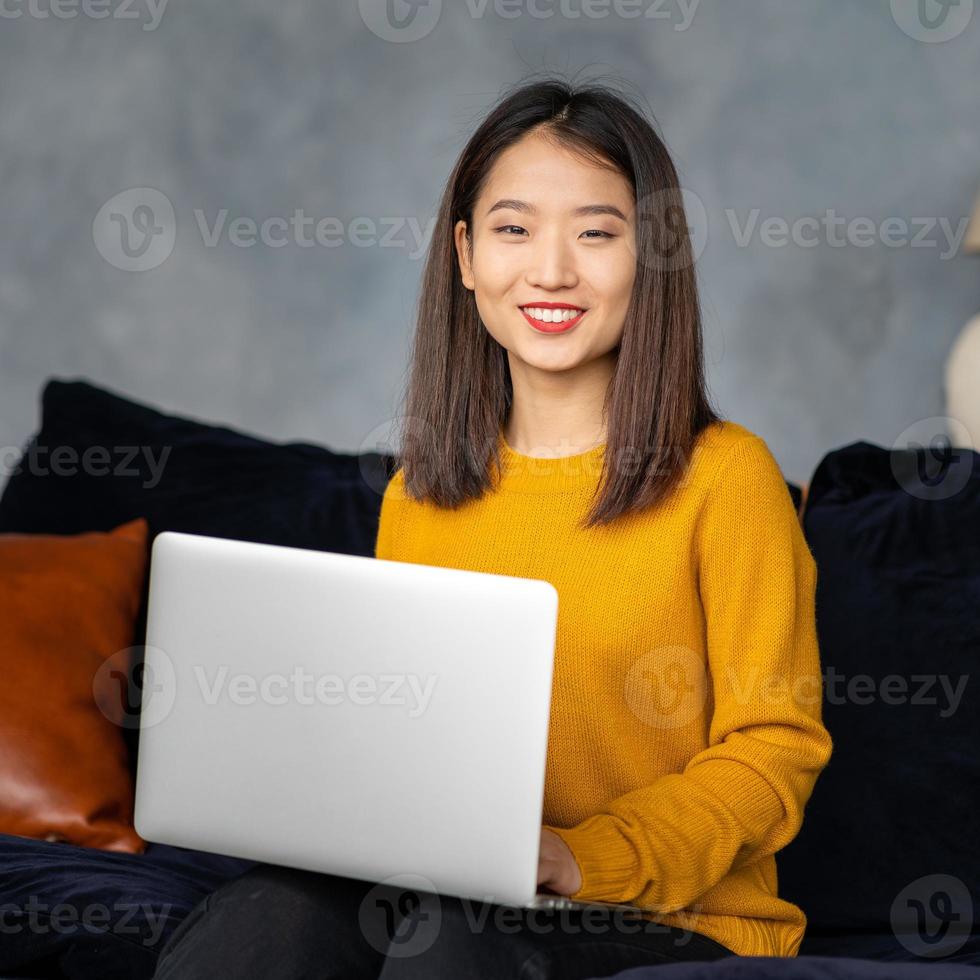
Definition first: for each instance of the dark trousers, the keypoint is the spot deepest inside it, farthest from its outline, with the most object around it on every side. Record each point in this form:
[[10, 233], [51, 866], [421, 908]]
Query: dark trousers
[[278, 923]]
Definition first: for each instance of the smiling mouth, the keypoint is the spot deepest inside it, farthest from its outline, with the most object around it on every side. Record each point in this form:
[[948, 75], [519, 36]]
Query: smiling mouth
[[552, 320]]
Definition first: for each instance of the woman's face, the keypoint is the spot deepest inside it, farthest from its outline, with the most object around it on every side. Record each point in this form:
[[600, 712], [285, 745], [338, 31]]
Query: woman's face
[[531, 246]]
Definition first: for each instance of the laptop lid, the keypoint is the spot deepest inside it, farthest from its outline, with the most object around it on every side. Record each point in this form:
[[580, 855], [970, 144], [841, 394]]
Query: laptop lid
[[344, 714]]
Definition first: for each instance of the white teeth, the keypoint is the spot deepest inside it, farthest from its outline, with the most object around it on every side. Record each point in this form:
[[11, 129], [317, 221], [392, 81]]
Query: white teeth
[[551, 316]]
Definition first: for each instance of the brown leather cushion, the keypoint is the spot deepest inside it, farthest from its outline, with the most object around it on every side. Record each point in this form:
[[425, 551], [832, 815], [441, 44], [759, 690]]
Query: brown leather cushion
[[67, 604]]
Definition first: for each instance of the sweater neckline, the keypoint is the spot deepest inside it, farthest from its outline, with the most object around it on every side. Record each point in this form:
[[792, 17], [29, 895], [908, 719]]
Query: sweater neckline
[[544, 474]]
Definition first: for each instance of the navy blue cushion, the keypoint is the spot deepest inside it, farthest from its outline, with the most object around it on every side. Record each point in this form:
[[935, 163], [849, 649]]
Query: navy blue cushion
[[186, 475], [79, 912], [895, 946], [888, 844]]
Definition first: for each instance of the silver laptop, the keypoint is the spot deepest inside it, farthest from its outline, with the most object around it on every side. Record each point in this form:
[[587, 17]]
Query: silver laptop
[[348, 715]]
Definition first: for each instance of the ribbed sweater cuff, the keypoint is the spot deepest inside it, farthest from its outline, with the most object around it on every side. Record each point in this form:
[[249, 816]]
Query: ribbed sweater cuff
[[605, 858]]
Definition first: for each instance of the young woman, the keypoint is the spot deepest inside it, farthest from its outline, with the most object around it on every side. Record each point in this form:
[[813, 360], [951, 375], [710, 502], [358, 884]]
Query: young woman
[[558, 427]]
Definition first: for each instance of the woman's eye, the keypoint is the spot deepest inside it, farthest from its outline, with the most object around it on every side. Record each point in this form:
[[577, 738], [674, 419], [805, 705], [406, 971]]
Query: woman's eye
[[604, 234], [507, 229]]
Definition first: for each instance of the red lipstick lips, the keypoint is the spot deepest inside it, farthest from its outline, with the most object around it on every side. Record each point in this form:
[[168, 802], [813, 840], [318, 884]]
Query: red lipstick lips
[[561, 327]]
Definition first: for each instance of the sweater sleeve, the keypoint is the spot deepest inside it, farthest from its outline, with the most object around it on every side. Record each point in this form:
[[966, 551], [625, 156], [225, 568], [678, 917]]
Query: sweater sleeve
[[741, 798]]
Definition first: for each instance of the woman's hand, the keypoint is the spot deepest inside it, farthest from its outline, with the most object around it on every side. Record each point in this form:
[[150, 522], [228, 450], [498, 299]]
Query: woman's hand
[[557, 869]]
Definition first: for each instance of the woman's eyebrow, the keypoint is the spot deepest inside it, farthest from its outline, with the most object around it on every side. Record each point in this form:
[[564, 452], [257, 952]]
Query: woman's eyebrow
[[511, 204]]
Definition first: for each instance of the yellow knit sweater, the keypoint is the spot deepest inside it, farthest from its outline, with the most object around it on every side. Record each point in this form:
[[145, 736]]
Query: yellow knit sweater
[[685, 733]]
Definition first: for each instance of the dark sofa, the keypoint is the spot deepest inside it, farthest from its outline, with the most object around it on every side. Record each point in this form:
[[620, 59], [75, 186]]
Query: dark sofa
[[886, 866]]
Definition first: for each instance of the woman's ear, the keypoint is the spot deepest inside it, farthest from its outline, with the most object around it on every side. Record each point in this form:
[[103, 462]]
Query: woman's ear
[[463, 248]]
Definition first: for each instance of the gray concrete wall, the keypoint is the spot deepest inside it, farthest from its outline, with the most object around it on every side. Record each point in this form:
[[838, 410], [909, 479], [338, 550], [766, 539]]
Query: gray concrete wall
[[787, 109]]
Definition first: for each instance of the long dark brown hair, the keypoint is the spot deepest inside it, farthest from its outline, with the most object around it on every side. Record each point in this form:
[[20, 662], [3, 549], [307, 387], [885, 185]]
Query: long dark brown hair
[[459, 390]]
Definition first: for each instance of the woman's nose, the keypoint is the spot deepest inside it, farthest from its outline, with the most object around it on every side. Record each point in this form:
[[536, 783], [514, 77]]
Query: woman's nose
[[551, 266]]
